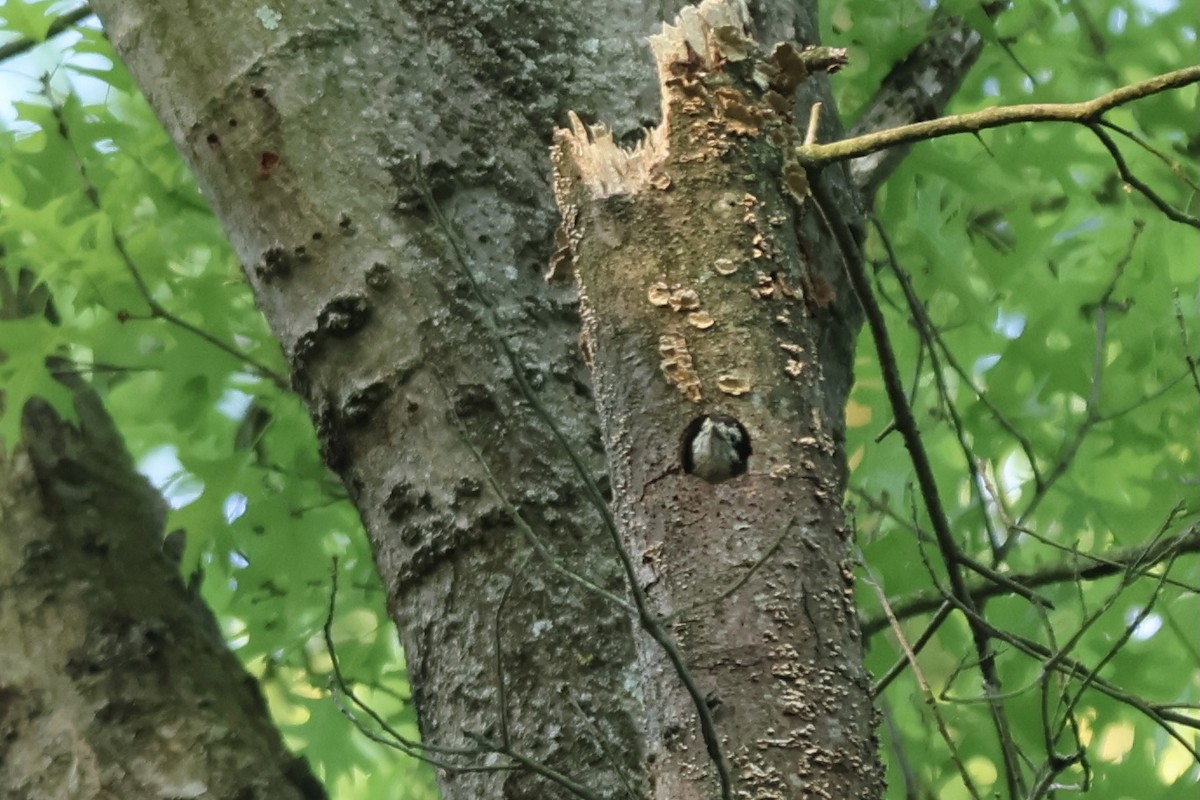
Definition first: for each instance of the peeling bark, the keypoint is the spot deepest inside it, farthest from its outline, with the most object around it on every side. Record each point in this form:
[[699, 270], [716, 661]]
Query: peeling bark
[[697, 256]]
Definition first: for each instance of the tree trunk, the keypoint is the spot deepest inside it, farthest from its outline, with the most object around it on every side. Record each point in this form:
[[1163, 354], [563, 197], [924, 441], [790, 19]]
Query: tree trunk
[[381, 169], [114, 679], [706, 283]]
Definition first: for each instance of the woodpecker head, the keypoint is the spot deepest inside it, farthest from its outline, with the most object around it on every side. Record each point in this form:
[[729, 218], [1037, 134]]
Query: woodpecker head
[[715, 447]]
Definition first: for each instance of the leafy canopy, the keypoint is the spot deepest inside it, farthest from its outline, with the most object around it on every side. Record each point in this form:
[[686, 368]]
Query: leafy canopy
[[1052, 391]]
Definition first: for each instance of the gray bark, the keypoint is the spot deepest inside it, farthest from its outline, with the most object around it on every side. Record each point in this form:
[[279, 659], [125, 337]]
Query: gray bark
[[918, 88], [114, 680], [382, 171]]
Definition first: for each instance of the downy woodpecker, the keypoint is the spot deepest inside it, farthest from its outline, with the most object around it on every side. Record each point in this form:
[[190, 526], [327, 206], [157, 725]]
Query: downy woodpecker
[[714, 447]]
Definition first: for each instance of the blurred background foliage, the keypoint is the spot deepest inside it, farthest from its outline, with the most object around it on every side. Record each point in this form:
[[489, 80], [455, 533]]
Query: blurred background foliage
[[1064, 307]]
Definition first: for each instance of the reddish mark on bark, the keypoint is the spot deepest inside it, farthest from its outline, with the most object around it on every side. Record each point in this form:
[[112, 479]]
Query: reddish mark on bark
[[267, 162], [822, 292]]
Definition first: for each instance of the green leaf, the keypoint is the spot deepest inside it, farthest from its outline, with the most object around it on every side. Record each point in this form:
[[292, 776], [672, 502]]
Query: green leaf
[[25, 344]]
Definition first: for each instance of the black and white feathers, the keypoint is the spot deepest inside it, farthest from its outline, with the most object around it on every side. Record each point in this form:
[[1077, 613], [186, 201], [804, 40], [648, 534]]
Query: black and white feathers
[[715, 447]]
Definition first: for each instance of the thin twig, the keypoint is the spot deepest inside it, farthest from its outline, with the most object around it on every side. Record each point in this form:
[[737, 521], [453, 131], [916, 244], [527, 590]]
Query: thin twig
[[1136, 182], [907, 425], [926, 692], [1091, 414], [533, 765], [602, 741], [398, 740], [814, 122], [24, 44], [1193, 363], [740, 582], [515, 514], [157, 310], [1167, 161], [501, 687], [924, 326], [1163, 715], [646, 618], [918, 645], [1147, 556], [1119, 641]]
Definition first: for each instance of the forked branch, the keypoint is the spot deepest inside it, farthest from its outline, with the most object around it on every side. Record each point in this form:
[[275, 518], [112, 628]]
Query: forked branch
[[1087, 112]]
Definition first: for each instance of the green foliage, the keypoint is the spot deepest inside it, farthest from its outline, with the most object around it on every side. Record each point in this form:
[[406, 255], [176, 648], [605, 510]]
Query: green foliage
[[31, 19], [1069, 301], [234, 453], [1021, 243]]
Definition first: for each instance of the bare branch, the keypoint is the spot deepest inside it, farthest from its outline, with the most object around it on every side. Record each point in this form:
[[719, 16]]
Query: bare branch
[[918, 644], [1137, 183], [1085, 113], [397, 740], [951, 553], [911, 657], [1163, 714], [1066, 571], [22, 45]]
